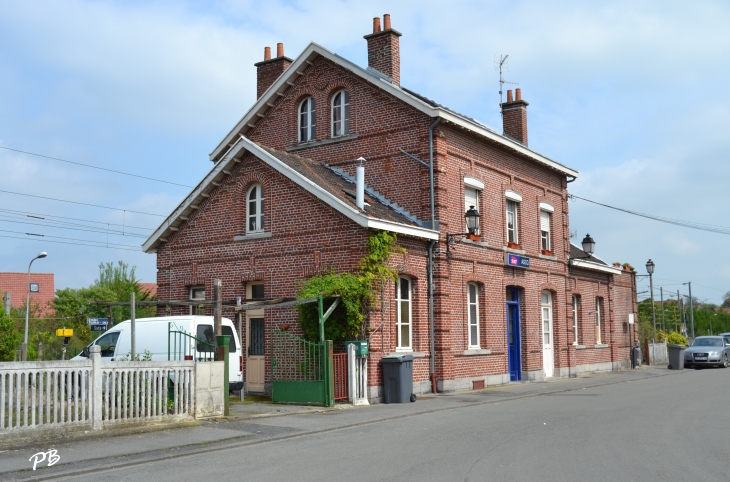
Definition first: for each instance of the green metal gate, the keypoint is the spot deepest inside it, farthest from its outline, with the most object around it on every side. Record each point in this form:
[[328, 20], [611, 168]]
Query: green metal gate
[[301, 371]]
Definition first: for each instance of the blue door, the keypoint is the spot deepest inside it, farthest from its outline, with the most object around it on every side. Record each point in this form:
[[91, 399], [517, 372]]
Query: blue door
[[513, 334]]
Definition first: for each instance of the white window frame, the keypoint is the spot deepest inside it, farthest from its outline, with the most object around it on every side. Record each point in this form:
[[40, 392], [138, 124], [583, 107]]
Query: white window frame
[[308, 106], [515, 213], [259, 203], [598, 320], [472, 322], [576, 309], [467, 205], [195, 309], [400, 345], [545, 235], [344, 113]]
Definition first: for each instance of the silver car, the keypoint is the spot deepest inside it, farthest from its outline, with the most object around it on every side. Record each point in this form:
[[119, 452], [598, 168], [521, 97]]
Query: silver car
[[708, 351]]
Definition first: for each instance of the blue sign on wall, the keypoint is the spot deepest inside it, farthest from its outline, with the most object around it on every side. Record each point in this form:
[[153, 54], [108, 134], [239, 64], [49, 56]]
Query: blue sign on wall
[[516, 261], [97, 321]]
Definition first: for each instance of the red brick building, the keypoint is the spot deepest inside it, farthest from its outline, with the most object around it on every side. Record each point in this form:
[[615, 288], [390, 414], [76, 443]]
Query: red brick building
[[514, 301], [42, 290]]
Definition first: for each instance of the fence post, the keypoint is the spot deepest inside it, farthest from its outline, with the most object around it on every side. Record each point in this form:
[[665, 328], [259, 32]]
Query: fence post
[[351, 374], [95, 386]]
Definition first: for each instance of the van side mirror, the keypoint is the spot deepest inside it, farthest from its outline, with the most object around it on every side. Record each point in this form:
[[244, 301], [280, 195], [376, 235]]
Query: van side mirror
[[85, 352]]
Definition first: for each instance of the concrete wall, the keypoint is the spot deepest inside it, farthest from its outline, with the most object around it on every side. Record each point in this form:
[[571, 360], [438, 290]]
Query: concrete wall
[[209, 389]]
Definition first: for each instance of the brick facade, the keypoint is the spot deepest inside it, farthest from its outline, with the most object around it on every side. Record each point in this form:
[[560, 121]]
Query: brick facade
[[307, 235]]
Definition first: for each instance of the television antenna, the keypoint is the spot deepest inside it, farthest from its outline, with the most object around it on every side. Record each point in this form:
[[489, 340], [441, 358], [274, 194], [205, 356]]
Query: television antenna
[[500, 63]]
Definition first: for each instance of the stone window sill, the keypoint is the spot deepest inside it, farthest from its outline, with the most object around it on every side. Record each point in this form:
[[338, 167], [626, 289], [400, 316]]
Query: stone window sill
[[476, 351], [601, 345], [513, 251], [414, 354], [323, 142], [252, 236], [580, 347], [551, 258], [482, 244]]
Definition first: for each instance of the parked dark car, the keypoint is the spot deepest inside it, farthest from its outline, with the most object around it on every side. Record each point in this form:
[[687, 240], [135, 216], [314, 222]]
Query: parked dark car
[[708, 351]]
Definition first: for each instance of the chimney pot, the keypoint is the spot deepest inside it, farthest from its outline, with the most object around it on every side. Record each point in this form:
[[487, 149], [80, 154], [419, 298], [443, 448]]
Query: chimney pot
[[518, 94], [509, 96], [267, 53], [376, 25], [268, 70], [280, 50], [386, 21]]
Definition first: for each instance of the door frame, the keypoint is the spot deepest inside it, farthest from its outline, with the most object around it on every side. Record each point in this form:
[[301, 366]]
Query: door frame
[[549, 306], [517, 357], [249, 315]]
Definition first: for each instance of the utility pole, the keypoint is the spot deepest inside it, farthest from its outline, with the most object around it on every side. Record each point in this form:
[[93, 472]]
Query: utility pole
[[132, 306], [680, 313], [217, 310], [661, 297], [691, 311]]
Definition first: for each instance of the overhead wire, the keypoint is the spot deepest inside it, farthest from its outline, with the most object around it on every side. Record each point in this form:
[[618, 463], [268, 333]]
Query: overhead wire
[[114, 233], [94, 167], [676, 222], [53, 222], [99, 245], [27, 213], [83, 204]]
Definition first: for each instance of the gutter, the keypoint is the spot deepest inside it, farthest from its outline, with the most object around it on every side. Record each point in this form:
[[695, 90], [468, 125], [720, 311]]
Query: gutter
[[430, 260]]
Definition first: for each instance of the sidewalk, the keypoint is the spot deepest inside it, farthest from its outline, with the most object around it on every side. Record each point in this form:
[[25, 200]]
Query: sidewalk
[[257, 420]]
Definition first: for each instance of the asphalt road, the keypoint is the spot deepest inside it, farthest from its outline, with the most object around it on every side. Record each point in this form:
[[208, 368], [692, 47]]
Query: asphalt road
[[659, 428]]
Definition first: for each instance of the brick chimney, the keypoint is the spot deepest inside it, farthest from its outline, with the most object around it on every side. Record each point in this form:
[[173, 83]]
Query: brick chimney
[[384, 49], [514, 117], [270, 69]]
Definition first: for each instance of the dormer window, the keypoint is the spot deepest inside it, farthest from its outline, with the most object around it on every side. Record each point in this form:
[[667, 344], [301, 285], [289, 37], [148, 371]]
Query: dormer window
[[341, 114], [255, 209], [307, 120]]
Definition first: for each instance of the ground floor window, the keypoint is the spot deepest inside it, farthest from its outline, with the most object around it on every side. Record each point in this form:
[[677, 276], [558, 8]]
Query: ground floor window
[[473, 314], [403, 307]]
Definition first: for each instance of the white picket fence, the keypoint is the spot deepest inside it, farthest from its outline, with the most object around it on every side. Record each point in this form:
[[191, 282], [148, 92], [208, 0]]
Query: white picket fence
[[93, 394]]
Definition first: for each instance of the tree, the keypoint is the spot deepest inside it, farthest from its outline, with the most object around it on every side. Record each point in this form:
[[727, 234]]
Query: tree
[[726, 300], [10, 338]]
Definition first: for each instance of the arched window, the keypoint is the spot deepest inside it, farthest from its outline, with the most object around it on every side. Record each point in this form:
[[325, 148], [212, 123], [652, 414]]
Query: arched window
[[403, 306], [307, 120], [473, 313], [341, 114], [255, 209]]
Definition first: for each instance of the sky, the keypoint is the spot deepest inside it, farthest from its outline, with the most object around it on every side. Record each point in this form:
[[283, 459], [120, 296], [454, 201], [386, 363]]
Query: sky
[[633, 95]]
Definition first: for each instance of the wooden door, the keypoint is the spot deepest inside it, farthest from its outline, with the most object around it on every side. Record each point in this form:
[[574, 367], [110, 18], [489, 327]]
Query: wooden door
[[255, 341]]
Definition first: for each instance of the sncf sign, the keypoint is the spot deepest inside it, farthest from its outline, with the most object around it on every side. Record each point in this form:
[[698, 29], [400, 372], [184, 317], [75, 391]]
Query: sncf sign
[[516, 261]]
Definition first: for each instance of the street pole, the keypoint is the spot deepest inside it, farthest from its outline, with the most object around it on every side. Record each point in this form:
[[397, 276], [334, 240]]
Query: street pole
[[24, 346], [132, 306], [679, 314], [217, 310], [691, 311], [653, 315], [661, 297]]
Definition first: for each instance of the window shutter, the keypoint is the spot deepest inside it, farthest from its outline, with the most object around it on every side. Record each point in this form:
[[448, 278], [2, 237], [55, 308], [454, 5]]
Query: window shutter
[[544, 221]]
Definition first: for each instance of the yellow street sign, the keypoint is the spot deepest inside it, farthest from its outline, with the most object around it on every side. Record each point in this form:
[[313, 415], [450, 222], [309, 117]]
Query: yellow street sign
[[65, 332]]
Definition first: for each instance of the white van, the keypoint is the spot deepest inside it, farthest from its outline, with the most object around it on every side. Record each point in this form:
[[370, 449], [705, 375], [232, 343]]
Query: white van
[[152, 335]]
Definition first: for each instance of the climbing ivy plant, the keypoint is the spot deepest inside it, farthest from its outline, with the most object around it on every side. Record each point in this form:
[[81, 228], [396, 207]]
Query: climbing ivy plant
[[357, 292]]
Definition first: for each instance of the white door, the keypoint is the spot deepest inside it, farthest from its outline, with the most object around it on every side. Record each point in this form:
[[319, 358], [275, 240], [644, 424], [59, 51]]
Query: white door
[[548, 357], [255, 342]]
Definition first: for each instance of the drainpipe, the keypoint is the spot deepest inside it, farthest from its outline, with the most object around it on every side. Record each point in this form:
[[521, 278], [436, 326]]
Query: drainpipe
[[430, 259]]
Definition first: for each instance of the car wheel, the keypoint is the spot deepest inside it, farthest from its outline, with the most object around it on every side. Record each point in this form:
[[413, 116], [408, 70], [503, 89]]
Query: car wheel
[[724, 362]]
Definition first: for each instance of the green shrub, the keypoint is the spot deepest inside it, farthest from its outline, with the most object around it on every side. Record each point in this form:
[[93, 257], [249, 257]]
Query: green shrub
[[675, 338]]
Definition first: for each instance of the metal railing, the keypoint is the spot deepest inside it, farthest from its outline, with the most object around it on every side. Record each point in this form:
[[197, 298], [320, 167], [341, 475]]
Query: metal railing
[[184, 346], [341, 376], [295, 359]]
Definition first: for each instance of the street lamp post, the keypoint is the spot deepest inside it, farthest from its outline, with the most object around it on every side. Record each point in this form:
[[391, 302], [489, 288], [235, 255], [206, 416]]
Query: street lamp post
[[691, 309], [24, 346], [650, 270]]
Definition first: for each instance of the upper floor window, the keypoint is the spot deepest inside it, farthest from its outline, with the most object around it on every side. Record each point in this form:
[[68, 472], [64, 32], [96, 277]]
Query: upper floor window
[[403, 305], [255, 209], [512, 235], [471, 199], [473, 303], [307, 120], [545, 231], [341, 114]]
